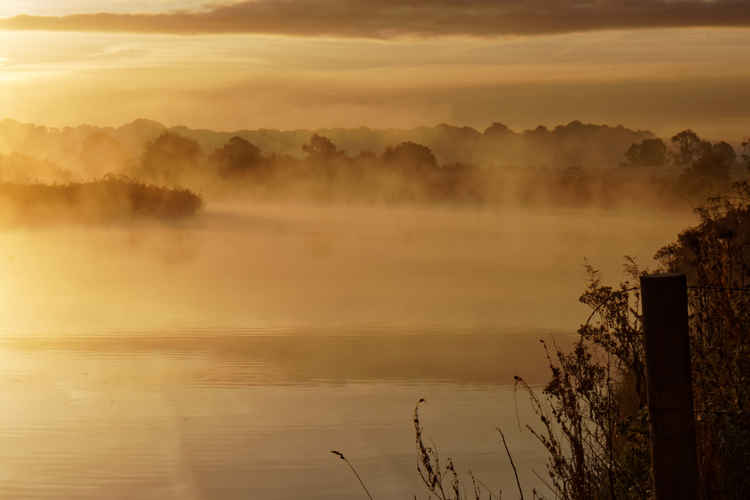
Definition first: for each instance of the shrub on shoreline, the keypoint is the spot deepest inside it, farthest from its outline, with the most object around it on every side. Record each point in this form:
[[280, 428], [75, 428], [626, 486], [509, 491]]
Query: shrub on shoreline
[[106, 199]]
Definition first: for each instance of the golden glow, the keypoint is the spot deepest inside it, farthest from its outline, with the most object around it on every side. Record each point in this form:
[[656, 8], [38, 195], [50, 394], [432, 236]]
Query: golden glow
[[229, 270], [251, 81], [56, 7]]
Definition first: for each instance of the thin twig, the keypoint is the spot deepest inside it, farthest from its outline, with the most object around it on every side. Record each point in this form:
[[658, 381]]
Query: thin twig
[[342, 457], [545, 483], [614, 295], [512, 464]]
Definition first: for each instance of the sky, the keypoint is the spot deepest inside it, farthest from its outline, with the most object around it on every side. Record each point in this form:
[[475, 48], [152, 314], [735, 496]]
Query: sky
[[289, 64]]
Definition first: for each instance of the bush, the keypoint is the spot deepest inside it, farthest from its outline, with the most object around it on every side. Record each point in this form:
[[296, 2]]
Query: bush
[[110, 198], [593, 412]]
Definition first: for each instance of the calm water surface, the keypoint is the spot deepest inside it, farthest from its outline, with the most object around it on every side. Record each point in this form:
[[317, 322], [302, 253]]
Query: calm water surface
[[239, 414]]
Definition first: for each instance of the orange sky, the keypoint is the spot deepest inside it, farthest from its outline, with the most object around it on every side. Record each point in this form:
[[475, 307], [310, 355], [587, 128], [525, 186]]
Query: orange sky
[[72, 70]]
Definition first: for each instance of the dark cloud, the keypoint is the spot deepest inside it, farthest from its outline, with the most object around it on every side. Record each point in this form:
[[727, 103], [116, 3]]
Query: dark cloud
[[395, 18]]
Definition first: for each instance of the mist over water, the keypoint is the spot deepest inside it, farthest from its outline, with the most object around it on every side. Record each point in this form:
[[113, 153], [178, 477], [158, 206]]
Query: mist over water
[[272, 265], [223, 356]]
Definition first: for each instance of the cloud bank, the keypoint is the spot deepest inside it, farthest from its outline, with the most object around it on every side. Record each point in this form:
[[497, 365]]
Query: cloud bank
[[396, 18]]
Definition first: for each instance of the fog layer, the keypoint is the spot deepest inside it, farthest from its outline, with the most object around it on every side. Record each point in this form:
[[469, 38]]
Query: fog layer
[[267, 265]]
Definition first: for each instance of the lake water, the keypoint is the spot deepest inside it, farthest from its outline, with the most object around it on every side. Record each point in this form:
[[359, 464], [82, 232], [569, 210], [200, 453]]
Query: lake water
[[229, 414], [224, 358]]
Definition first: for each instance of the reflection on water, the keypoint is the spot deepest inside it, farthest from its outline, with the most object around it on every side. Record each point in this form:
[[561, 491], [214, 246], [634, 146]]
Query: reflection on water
[[225, 415], [300, 356]]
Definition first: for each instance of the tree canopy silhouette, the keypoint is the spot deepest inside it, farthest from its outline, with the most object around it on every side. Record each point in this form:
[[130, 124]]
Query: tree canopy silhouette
[[236, 157], [169, 158], [647, 153]]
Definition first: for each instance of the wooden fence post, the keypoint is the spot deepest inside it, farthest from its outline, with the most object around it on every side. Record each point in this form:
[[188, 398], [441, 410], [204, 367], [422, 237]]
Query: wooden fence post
[[669, 385]]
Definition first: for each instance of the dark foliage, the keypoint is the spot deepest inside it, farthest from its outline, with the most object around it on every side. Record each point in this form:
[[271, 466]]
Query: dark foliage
[[647, 153], [716, 257], [112, 198], [593, 412], [706, 166], [169, 159]]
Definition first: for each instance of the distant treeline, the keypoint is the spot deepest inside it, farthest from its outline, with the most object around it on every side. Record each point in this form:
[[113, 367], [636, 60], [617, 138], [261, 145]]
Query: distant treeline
[[575, 143], [574, 164], [649, 172], [104, 200]]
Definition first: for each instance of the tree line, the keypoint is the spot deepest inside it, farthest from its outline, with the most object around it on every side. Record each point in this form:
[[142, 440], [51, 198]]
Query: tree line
[[573, 165], [651, 171]]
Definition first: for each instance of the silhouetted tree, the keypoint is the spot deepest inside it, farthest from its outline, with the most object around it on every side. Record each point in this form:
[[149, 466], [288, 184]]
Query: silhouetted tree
[[647, 153], [320, 147], [169, 158], [715, 161], [324, 161], [708, 166], [236, 157], [497, 130], [411, 156], [689, 147]]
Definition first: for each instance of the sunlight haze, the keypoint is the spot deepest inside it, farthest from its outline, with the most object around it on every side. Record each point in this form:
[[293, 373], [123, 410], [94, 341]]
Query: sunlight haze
[[284, 249], [281, 81]]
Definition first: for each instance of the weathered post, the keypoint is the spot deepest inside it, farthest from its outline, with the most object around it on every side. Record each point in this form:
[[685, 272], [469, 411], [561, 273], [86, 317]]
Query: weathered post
[[669, 385]]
